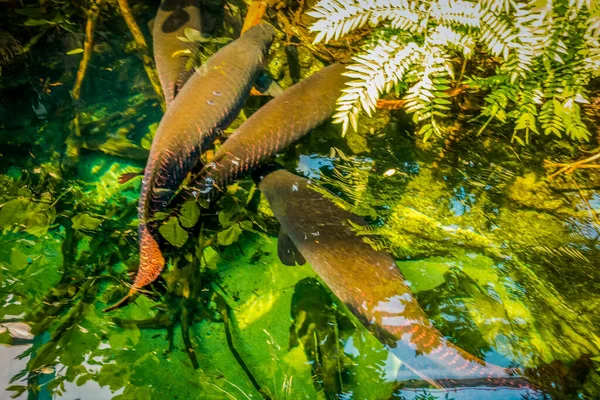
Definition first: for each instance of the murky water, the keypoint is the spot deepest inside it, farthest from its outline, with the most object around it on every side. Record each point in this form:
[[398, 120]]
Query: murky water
[[503, 262]]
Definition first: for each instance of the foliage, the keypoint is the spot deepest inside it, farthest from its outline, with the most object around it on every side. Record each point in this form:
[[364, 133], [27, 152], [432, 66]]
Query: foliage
[[546, 54]]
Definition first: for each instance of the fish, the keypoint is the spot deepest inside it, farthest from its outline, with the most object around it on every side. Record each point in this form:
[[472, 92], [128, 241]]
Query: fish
[[272, 128], [206, 105], [172, 18], [369, 283]]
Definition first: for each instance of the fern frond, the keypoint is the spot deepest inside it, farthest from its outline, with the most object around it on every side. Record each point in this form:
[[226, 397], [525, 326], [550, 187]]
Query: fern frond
[[498, 5], [456, 12], [336, 18], [427, 98], [529, 98], [574, 127], [496, 35], [551, 119], [446, 36], [374, 73]]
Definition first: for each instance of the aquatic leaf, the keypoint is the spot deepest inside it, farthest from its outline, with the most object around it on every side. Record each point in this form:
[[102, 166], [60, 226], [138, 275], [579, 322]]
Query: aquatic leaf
[[227, 217], [18, 260], [193, 35], [130, 337], [19, 330], [39, 218], [85, 221], [160, 216], [173, 232], [425, 274], [230, 235], [18, 389], [181, 52], [246, 225], [5, 337], [12, 212], [190, 212], [35, 22], [75, 51]]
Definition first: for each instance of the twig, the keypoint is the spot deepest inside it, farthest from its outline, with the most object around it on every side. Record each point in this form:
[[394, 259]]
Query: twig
[[462, 73], [32, 41], [88, 45], [224, 310], [142, 46], [254, 15], [400, 103], [568, 168], [93, 13]]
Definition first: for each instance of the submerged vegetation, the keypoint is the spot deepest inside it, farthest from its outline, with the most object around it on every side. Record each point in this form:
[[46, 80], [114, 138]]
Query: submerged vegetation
[[502, 259]]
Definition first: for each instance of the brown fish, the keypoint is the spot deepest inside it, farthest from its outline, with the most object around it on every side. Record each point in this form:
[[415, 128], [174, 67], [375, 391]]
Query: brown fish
[[272, 128], [172, 18], [208, 103], [314, 228]]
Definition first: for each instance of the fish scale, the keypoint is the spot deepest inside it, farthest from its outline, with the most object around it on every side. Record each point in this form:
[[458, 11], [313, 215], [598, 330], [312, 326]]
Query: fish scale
[[372, 287], [208, 103], [272, 128]]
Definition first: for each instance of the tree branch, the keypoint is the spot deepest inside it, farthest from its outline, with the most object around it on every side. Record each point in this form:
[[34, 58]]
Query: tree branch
[[142, 47]]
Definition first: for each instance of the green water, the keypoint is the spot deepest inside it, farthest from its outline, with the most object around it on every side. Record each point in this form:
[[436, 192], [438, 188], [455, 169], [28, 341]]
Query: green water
[[503, 262]]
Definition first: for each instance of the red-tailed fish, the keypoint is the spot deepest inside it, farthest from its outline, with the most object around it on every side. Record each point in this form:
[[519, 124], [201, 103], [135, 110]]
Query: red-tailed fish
[[207, 103], [315, 229], [272, 128], [172, 18]]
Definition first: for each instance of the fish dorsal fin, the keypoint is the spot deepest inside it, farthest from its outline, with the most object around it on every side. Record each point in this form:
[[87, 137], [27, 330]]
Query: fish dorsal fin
[[287, 251]]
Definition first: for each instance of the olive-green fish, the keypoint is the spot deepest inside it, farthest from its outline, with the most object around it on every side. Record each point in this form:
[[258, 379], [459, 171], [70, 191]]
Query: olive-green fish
[[315, 229], [271, 129], [172, 18], [208, 103]]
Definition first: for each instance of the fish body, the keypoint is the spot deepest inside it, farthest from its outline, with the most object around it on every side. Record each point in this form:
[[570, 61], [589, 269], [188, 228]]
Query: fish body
[[272, 128], [172, 18], [370, 284], [208, 103]]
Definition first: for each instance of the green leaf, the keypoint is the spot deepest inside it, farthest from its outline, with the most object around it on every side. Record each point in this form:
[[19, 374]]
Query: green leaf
[[190, 212], [12, 212], [193, 35], [5, 337], [425, 274], [173, 232], [39, 217], [85, 221], [227, 218], [35, 22], [246, 225], [18, 260], [230, 235], [18, 389], [75, 51], [160, 216]]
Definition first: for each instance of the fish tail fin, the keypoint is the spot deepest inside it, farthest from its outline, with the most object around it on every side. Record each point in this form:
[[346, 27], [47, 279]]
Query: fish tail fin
[[152, 263]]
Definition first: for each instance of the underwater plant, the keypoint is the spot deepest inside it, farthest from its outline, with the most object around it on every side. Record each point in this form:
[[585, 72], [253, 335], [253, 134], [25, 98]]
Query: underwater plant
[[543, 56]]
